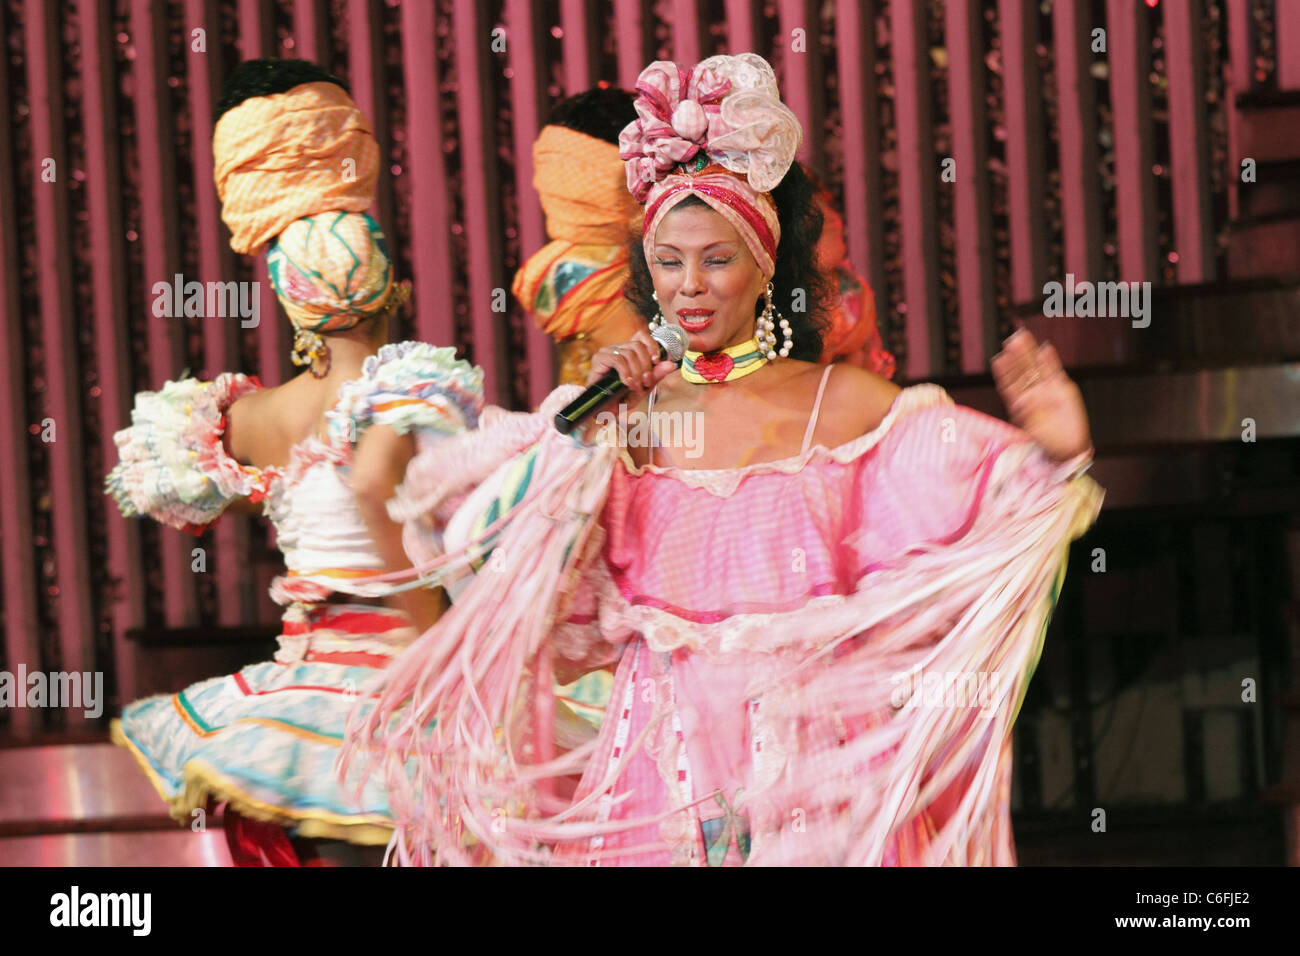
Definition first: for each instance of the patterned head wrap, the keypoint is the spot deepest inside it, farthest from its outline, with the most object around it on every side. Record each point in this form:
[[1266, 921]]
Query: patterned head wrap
[[720, 132], [331, 270], [574, 284], [298, 170]]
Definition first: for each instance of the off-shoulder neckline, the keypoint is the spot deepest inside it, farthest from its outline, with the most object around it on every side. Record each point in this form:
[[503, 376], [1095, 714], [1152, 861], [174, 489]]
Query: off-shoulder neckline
[[922, 395], [313, 448]]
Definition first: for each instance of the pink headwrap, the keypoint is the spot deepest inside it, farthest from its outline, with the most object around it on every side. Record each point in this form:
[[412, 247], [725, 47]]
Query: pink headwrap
[[725, 121]]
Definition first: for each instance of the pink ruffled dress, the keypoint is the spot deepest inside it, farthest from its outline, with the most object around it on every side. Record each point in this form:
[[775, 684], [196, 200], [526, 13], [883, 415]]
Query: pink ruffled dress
[[819, 659]]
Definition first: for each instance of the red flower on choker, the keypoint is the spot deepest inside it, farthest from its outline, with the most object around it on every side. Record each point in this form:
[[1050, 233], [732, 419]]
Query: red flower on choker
[[714, 366]]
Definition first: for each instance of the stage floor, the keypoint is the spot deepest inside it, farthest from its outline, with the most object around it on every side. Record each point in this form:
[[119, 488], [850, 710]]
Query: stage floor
[[89, 805]]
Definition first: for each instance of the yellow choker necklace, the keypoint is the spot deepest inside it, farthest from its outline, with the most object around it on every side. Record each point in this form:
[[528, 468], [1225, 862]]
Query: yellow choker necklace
[[725, 366]]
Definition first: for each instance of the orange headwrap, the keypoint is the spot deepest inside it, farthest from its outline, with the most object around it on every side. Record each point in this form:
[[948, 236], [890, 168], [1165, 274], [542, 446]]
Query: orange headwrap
[[582, 186], [279, 158], [574, 283], [851, 333]]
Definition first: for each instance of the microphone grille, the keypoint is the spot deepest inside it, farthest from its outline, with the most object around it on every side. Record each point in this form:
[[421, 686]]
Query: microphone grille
[[673, 339]]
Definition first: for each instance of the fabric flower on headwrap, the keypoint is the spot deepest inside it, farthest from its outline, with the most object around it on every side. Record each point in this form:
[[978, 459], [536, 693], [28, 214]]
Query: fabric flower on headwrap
[[281, 157], [673, 109], [331, 270], [725, 122]]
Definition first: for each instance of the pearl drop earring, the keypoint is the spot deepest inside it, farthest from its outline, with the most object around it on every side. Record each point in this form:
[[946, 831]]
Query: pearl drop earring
[[658, 321], [766, 330]]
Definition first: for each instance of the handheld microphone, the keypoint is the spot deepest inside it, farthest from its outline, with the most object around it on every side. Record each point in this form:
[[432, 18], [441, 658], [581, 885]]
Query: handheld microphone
[[672, 346]]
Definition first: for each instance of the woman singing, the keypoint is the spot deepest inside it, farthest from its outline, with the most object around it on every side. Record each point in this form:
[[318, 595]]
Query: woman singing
[[824, 613]]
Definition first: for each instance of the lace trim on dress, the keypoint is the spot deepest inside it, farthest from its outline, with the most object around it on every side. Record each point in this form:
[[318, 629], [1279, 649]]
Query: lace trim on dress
[[723, 482]]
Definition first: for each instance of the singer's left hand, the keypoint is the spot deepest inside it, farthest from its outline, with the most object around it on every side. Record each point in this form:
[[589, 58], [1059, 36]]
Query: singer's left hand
[[637, 361], [1040, 397]]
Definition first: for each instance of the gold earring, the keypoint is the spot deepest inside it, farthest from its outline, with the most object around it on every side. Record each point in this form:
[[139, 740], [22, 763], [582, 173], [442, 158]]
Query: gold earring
[[308, 347]]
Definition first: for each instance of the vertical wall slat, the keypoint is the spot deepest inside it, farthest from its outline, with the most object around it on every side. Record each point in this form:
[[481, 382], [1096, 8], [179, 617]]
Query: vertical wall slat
[[22, 643], [631, 17], [108, 273], [974, 243], [1241, 66], [578, 52], [431, 258], [256, 30], [855, 56], [686, 32], [1080, 178], [232, 579], [311, 32], [62, 368], [365, 71], [1287, 31], [1024, 148], [527, 89], [1130, 99], [917, 177], [274, 340], [482, 216], [256, 40], [1077, 119], [742, 25], [1188, 155], [160, 245], [1241, 78], [801, 83]]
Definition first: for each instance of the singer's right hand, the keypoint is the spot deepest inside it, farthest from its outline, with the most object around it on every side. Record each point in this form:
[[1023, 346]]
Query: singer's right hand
[[637, 362]]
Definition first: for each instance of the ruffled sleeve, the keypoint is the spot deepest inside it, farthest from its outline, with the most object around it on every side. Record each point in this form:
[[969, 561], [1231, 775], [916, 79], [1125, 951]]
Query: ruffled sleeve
[[409, 386], [172, 466], [939, 468]]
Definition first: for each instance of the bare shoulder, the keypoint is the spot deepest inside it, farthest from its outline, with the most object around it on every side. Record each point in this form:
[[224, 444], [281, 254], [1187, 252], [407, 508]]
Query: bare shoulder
[[252, 426], [855, 392], [256, 405]]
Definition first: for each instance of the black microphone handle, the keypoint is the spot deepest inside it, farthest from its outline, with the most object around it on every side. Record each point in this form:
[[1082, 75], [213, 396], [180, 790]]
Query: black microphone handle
[[605, 388]]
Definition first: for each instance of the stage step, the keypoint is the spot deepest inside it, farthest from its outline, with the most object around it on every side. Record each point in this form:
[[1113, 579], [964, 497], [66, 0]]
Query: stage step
[[75, 787], [89, 804], [175, 846]]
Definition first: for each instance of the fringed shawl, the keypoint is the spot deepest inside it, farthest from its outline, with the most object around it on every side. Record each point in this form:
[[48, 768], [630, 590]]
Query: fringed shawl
[[860, 713]]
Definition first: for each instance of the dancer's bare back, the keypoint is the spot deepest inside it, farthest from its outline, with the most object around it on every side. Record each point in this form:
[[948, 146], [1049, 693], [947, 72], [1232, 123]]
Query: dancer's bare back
[[264, 426]]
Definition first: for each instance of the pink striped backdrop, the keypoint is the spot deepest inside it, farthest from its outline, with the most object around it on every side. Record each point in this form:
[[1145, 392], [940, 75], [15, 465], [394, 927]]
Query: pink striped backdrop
[[119, 96]]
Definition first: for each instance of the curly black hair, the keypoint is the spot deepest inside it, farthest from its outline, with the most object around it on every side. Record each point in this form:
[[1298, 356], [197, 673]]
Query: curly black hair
[[265, 77], [796, 269], [601, 113]]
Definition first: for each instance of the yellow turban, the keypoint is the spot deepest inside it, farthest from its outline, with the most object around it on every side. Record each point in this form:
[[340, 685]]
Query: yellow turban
[[583, 187], [574, 283], [281, 157]]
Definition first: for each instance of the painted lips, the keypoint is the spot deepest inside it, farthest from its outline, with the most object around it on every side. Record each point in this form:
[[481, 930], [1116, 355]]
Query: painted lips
[[695, 320]]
